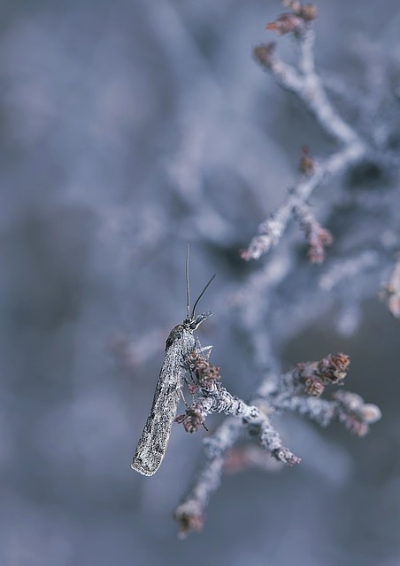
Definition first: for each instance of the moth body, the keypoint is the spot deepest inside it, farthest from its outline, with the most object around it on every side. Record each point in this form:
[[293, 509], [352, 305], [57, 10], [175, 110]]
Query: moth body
[[153, 443]]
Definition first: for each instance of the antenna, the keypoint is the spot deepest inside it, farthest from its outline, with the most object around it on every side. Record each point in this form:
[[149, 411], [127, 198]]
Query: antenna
[[187, 283], [199, 297], [190, 315]]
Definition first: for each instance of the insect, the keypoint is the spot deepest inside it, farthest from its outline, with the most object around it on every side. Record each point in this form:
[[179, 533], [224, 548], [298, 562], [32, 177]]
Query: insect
[[180, 343]]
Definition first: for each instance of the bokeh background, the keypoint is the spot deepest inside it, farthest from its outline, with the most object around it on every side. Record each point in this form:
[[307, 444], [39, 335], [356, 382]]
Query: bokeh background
[[127, 130]]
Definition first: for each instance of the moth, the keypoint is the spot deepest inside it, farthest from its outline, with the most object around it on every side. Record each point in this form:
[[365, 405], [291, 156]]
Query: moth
[[180, 343]]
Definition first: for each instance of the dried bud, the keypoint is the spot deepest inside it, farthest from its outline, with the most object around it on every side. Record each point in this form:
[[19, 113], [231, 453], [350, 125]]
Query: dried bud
[[204, 371], [191, 420], [264, 53], [314, 386], [334, 367], [188, 522], [286, 23], [246, 255], [307, 12], [307, 164], [325, 237], [316, 375], [319, 238]]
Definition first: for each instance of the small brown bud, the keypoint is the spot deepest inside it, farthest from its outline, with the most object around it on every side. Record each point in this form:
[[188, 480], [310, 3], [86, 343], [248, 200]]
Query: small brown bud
[[318, 238], [307, 164], [326, 237], [307, 12], [263, 53], [334, 367], [314, 386], [188, 522], [193, 419], [286, 23]]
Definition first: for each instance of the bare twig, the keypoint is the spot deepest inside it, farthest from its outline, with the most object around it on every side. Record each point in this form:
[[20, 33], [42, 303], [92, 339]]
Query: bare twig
[[190, 513], [306, 84], [272, 229], [341, 271]]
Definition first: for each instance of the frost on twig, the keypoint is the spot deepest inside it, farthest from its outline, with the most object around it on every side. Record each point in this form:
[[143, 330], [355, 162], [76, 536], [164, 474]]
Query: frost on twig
[[272, 229], [299, 390], [211, 397], [341, 271], [305, 83]]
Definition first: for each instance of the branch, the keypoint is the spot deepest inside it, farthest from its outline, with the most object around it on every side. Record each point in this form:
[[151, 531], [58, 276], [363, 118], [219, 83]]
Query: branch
[[211, 397], [306, 84], [272, 229], [298, 390], [190, 513]]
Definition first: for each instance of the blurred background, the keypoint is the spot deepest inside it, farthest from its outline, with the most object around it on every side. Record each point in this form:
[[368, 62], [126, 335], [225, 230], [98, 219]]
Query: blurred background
[[129, 129]]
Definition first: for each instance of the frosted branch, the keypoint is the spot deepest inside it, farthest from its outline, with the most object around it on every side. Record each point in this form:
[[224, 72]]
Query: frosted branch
[[272, 229], [298, 390], [306, 84]]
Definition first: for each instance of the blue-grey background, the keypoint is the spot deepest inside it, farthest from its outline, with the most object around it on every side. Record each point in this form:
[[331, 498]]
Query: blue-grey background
[[129, 128]]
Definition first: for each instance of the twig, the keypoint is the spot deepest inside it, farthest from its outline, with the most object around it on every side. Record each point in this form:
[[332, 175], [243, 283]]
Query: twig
[[306, 84], [342, 270], [211, 397], [298, 390], [190, 513], [272, 229]]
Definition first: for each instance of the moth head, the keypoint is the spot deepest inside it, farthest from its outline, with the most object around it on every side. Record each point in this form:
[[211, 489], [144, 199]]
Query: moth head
[[195, 322]]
